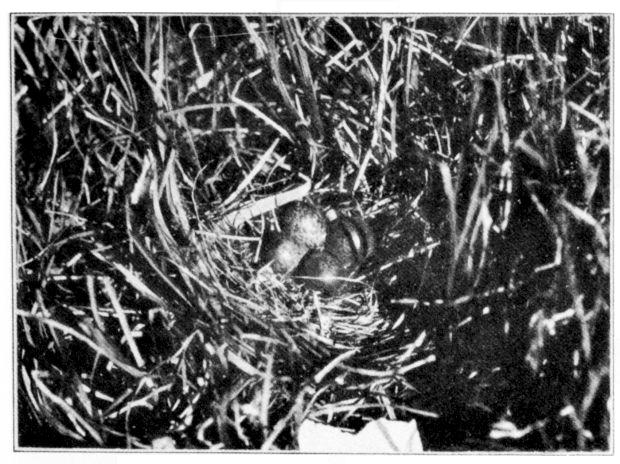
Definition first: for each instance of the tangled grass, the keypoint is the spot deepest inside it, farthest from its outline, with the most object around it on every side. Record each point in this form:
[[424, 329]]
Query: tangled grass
[[151, 152]]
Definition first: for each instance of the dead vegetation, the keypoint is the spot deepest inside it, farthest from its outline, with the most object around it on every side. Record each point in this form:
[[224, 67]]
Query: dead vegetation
[[151, 150]]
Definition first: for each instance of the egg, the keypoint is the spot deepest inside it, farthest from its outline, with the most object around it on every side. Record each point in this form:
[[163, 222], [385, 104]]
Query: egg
[[285, 255], [321, 270], [302, 228], [320, 254], [350, 240], [303, 223]]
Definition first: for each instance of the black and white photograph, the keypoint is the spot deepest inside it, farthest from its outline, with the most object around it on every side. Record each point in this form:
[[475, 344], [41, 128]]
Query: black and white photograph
[[312, 233]]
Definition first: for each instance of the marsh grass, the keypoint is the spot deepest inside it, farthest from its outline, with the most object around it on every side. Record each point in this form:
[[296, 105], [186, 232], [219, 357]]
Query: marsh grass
[[149, 156]]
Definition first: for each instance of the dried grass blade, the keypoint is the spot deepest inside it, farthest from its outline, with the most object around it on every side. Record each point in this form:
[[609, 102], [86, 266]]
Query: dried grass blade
[[259, 114], [243, 365], [588, 219], [52, 162], [136, 283], [333, 363], [429, 359], [238, 217], [92, 298], [266, 392], [122, 319], [68, 330], [66, 408], [252, 174]]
